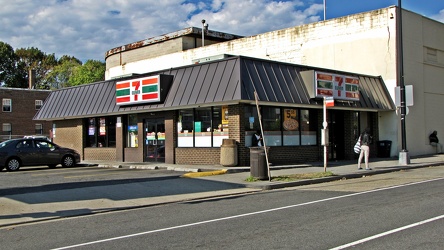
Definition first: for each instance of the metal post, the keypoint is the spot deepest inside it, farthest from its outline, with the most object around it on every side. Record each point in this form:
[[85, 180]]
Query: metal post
[[325, 124], [325, 6], [203, 32], [404, 158]]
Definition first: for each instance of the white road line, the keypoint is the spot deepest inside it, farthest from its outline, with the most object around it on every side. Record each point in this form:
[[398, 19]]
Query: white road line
[[243, 215], [387, 233]]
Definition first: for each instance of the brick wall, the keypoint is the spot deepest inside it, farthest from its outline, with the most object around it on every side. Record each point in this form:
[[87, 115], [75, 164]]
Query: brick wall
[[104, 154], [198, 156], [69, 133], [23, 111]]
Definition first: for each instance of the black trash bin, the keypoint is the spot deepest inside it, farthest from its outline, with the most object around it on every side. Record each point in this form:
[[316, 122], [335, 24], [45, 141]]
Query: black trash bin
[[258, 163], [384, 148]]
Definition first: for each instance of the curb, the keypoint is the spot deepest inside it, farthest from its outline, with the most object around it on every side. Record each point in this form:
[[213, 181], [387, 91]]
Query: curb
[[202, 174], [271, 186]]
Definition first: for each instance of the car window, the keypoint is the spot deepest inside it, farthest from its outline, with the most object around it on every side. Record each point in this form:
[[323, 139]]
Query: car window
[[25, 144], [44, 144]]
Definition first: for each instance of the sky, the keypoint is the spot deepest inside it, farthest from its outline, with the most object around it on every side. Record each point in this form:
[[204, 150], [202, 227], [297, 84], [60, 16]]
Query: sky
[[86, 29]]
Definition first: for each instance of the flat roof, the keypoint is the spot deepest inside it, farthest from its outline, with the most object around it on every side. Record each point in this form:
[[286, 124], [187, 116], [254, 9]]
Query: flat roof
[[190, 31]]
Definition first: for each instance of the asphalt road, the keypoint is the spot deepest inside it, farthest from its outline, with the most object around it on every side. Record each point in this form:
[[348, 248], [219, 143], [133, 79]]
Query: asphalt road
[[391, 211]]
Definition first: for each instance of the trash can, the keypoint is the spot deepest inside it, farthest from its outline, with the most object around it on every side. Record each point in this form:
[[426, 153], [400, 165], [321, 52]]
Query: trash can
[[258, 163], [228, 153], [384, 149]]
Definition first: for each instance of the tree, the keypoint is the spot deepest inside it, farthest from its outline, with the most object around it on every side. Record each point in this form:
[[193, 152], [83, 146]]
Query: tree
[[7, 64], [50, 73], [34, 59], [91, 71], [59, 76]]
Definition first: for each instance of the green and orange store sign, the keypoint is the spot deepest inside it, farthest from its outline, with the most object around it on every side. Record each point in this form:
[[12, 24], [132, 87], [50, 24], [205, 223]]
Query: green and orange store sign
[[139, 90]]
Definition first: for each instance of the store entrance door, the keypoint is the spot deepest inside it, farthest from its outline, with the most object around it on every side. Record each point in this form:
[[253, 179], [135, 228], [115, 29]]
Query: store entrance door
[[336, 135], [154, 140]]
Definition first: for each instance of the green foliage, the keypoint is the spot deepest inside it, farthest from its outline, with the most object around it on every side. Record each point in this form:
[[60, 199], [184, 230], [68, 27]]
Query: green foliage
[[50, 72], [294, 177], [59, 76], [91, 71], [251, 179], [7, 64]]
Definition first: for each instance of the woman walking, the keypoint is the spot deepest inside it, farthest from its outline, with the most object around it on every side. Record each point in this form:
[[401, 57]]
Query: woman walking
[[365, 149]]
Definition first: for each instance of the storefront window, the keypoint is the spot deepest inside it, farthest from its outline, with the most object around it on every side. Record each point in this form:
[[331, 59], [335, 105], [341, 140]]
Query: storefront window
[[251, 124], [282, 127], [185, 129], [271, 119], [220, 125], [101, 132], [308, 128], [203, 127], [355, 123], [291, 127], [133, 131], [91, 142]]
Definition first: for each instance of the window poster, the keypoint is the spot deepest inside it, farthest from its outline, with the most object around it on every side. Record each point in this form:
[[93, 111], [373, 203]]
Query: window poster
[[290, 119], [198, 126], [102, 126]]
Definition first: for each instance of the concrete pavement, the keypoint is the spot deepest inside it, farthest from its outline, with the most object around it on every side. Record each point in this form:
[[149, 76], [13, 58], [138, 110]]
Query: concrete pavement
[[31, 207]]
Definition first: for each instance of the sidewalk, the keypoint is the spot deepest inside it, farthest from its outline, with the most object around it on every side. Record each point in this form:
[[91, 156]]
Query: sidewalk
[[206, 182], [239, 174]]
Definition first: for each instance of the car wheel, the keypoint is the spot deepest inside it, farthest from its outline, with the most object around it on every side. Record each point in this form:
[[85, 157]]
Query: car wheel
[[13, 164], [52, 166], [68, 161]]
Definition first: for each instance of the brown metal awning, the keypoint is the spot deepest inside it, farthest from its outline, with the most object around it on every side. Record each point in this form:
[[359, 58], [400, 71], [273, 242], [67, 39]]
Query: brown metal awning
[[228, 81]]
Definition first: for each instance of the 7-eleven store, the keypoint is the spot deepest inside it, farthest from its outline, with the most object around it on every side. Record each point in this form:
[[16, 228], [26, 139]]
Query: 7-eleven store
[[181, 115]]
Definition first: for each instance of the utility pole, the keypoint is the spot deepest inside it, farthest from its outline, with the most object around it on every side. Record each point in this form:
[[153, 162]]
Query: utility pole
[[404, 158]]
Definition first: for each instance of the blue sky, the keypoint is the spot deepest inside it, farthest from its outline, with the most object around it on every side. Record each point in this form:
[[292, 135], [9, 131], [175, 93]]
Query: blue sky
[[87, 29]]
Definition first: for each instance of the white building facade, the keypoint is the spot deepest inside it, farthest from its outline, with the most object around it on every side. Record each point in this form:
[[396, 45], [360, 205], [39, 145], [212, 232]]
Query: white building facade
[[364, 43]]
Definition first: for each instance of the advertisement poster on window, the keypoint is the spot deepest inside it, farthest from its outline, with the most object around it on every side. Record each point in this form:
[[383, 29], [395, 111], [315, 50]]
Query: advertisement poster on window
[[102, 130], [224, 114], [198, 126], [290, 120]]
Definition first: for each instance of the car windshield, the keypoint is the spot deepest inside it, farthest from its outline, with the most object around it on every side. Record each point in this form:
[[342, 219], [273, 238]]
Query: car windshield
[[5, 143]]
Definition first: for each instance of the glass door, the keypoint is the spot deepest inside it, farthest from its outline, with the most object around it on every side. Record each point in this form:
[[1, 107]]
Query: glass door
[[336, 135], [154, 140]]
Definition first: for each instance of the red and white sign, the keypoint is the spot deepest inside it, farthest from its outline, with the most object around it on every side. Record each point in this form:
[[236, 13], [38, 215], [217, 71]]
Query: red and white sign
[[329, 102]]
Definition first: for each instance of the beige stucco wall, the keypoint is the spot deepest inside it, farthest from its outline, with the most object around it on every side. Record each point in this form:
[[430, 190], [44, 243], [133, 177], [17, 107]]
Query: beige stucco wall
[[364, 43]]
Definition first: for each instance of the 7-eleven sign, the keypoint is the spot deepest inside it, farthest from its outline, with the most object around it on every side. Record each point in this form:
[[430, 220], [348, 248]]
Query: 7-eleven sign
[[140, 90]]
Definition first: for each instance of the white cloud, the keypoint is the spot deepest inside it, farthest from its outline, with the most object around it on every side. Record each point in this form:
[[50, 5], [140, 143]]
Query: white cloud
[[439, 16], [87, 29], [254, 17]]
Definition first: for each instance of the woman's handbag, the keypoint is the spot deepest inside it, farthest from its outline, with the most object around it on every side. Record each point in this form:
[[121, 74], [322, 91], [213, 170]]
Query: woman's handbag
[[357, 147]]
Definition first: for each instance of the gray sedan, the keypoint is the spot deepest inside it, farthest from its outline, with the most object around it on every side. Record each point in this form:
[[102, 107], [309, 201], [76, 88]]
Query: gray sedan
[[35, 152]]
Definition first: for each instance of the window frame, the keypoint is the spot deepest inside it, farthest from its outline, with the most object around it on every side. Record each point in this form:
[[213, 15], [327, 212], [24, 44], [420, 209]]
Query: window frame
[[206, 131], [39, 129], [38, 104], [279, 138], [6, 102], [100, 132]]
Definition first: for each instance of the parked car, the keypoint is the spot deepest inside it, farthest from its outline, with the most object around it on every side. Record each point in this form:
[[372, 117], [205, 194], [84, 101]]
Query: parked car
[[16, 153]]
